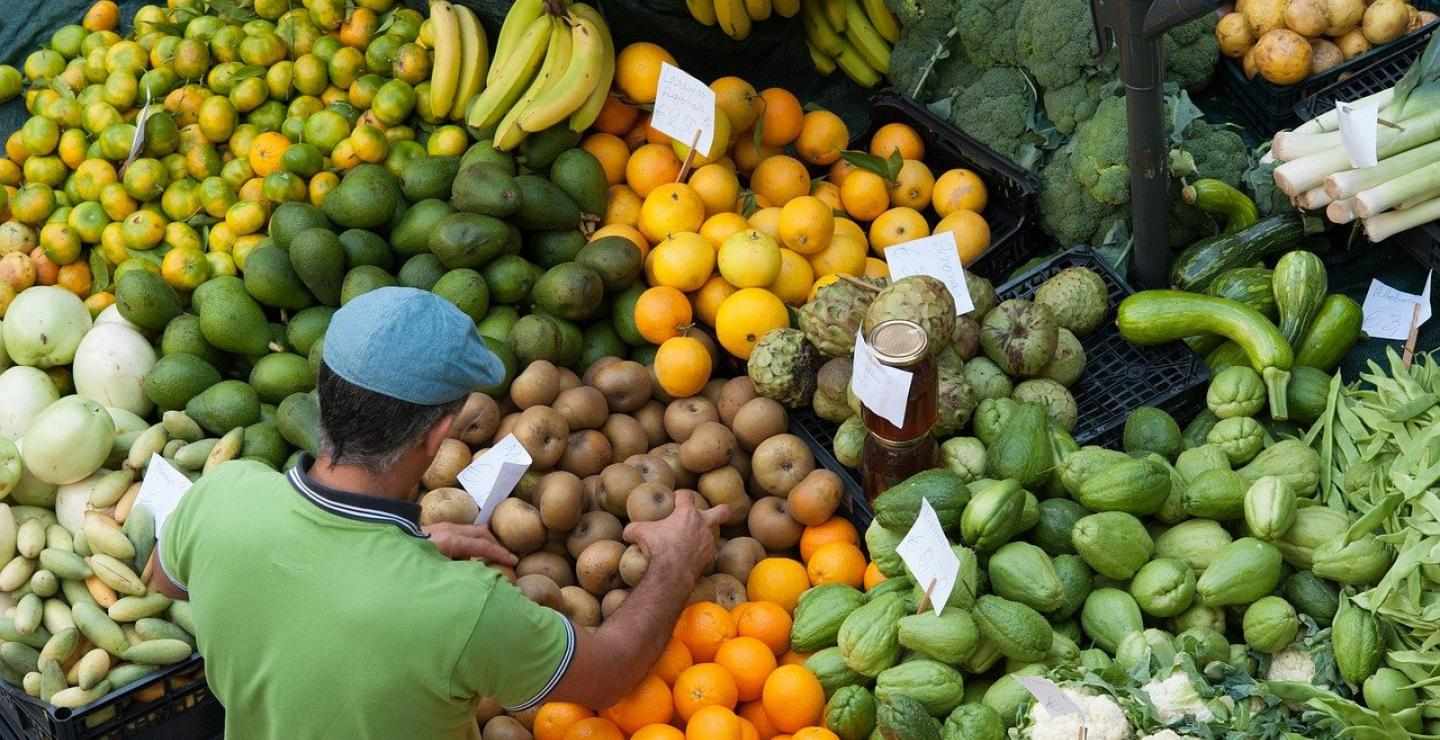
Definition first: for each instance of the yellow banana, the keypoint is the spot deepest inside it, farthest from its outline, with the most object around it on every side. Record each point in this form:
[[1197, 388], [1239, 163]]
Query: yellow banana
[[585, 116], [515, 73], [703, 11], [573, 84], [508, 133], [473, 63], [883, 20], [818, 28], [835, 13], [823, 64], [733, 20], [786, 8], [865, 38], [445, 75], [855, 67], [517, 21], [758, 10]]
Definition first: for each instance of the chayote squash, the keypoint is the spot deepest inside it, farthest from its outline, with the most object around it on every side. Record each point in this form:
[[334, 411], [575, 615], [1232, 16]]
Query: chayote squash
[[1241, 437], [1114, 543], [990, 418], [1216, 494], [1198, 428], [1164, 587], [897, 507], [1197, 542], [1236, 391], [973, 722], [1359, 648], [1075, 581], [1172, 509], [1199, 616], [828, 665], [1269, 508], [1008, 697], [949, 637], [1312, 596], [1095, 660], [1389, 690], [1152, 648], [1063, 651], [904, 718], [869, 638], [1243, 572], [967, 582], [937, 686], [985, 655], [1149, 429], [1063, 446], [1270, 625], [1135, 486], [1109, 615], [1085, 462], [1068, 629], [1314, 527], [1292, 461], [1022, 572], [900, 584], [1201, 459], [1057, 519], [964, 456], [881, 544], [993, 515], [819, 614], [850, 713], [1029, 514], [1019, 631], [1362, 562], [1022, 451]]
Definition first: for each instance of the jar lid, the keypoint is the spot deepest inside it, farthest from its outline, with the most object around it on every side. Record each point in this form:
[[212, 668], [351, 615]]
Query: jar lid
[[898, 342]]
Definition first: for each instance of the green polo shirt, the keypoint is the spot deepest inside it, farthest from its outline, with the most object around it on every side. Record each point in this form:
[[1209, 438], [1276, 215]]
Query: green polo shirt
[[322, 614]]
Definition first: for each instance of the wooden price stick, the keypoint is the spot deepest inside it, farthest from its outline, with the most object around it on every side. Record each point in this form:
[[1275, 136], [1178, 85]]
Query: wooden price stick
[[925, 600], [689, 157], [1414, 334]]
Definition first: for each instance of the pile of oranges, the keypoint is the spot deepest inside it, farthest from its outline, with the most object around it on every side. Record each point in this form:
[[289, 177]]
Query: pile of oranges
[[729, 674], [773, 210]]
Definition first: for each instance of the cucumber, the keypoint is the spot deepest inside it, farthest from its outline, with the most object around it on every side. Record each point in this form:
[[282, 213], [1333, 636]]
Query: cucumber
[[1219, 198], [1299, 283], [1332, 333], [1200, 263]]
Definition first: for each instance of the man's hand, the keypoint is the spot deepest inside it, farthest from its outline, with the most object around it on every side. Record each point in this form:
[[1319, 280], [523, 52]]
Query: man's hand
[[467, 541], [685, 537]]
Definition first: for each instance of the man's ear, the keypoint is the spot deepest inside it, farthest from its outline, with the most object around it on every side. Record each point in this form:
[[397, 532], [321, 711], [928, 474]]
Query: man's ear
[[437, 435]]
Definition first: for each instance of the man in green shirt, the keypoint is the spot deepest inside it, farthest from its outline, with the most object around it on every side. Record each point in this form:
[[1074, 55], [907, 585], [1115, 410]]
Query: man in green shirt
[[324, 610]]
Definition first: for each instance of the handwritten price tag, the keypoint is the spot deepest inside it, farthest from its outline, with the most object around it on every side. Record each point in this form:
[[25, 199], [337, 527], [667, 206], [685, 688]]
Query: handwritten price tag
[[161, 490], [492, 476], [1388, 311], [683, 107], [927, 554], [937, 257], [883, 389]]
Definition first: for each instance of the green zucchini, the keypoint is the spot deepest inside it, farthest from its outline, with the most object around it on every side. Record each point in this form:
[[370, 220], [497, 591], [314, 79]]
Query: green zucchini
[[1158, 316], [1219, 198], [1200, 263], [1299, 284], [1249, 285], [1334, 331], [1308, 393]]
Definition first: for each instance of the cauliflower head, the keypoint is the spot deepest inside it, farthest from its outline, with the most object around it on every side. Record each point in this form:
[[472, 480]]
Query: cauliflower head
[[1104, 719], [996, 109], [1174, 698], [1291, 664], [987, 31]]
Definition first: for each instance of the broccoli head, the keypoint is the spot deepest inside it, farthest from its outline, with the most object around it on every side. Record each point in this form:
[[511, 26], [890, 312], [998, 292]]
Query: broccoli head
[[1101, 157], [996, 109], [1055, 40], [950, 77], [1070, 105], [987, 31], [1219, 152], [923, 53], [1191, 52], [1067, 212]]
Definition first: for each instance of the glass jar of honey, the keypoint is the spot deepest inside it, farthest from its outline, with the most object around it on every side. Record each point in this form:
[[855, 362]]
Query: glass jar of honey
[[884, 464], [891, 452]]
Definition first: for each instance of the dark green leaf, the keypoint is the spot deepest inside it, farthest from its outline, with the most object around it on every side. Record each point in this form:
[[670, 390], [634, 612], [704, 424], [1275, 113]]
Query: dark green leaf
[[867, 162]]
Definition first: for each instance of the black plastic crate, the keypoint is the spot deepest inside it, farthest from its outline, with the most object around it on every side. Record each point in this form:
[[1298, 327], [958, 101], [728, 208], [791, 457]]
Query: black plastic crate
[[1269, 108], [185, 709], [1012, 189]]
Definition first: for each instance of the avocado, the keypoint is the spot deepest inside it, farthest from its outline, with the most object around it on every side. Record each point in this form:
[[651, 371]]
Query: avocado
[[146, 300], [182, 335], [510, 278], [485, 151], [306, 327], [316, 357], [421, 272], [540, 149], [550, 248], [229, 318], [569, 291], [298, 419], [543, 206], [225, 406], [428, 177], [487, 190], [263, 441], [465, 288], [363, 279], [615, 258], [318, 259], [497, 322], [411, 234], [177, 378], [501, 389], [600, 341], [468, 240], [293, 217], [622, 316], [536, 337], [366, 248], [365, 199], [581, 176], [279, 374], [270, 279]]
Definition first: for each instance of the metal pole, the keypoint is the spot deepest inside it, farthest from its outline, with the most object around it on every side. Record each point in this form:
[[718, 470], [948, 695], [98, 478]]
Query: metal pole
[[1142, 69]]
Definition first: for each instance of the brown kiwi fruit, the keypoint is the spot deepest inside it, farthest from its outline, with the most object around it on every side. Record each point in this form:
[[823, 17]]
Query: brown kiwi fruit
[[612, 601], [670, 453], [729, 592], [505, 728], [725, 486], [684, 415], [589, 377], [712, 389], [649, 502], [539, 589], [626, 385], [587, 452], [780, 463], [450, 459], [617, 480], [598, 566], [555, 567], [583, 407], [448, 505], [593, 527], [816, 497], [580, 606], [477, 421], [505, 428], [771, 524], [736, 393], [653, 469], [758, 420], [738, 556], [632, 565], [517, 525], [710, 446], [652, 419], [560, 497], [545, 435], [626, 436], [538, 385], [568, 379]]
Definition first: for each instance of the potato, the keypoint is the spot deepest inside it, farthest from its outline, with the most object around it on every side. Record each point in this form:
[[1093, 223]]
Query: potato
[[1344, 16], [448, 505], [1234, 36], [1324, 54], [444, 470], [1308, 17], [1283, 56], [1265, 16], [1353, 44], [1385, 21]]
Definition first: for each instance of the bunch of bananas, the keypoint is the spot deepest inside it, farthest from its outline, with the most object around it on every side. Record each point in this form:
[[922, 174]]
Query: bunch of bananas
[[854, 35], [550, 70], [737, 17], [460, 60]]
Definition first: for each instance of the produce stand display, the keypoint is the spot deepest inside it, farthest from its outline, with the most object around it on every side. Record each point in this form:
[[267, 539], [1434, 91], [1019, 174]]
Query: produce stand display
[[1207, 511]]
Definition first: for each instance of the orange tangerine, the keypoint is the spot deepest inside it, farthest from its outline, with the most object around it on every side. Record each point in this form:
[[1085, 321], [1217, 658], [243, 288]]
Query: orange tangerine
[[896, 226], [660, 313], [622, 206], [675, 659], [792, 284], [865, 195], [913, 185], [873, 576], [781, 178], [778, 580], [766, 221], [555, 717], [658, 732], [612, 153], [651, 166], [793, 698], [637, 70], [749, 259], [897, 137], [822, 137], [708, 299], [616, 116], [781, 117], [594, 728], [683, 261], [649, 704], [747, 155], [876, 268], [717, 186], [807, 225], [958, 189], [720, 226], [738, 98], [670, 209], [745, 317], [682, 366], [829, 193], [845, 255], [750, 662], [837, 562], [704, 685], [713, 723], [972, 233], [765, 621], [754, 713], [838, 529]]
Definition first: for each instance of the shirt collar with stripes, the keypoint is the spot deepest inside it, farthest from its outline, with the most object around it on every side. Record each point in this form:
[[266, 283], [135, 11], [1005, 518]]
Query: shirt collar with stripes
[[357, 506]]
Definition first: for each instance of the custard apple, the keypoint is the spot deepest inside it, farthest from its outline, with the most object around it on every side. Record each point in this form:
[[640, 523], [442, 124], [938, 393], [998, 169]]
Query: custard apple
[[850, 442], [955, 403], [982, 294], [921, 299], [832, 384], [782, 366], [1055, 398], [1069, 361], [1078, 298], [1019, 336], [832, 318]]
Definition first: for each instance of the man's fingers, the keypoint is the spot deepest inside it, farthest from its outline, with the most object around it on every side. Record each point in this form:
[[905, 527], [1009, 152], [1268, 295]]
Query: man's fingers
[[486, 549], [716, 515]]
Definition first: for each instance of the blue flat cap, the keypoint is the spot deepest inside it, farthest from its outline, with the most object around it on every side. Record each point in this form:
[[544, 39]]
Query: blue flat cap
[[409, 344]]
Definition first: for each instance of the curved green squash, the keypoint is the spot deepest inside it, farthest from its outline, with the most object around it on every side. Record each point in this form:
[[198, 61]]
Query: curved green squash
[[1200, 263]]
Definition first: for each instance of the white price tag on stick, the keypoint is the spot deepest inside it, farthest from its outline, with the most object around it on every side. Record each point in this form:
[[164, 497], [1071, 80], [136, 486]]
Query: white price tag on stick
[[883, 389], [492, 476], [1388, 311], [684, 106], [936, 256], [161, 490], [1359, 131], [1051, 697], [927, 554]]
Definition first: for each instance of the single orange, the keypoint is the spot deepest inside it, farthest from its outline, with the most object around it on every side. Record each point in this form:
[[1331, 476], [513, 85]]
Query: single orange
[[958, 189], [897, 226], [779, 580], [669, 209], [661, 312], [782, 116], [650, 703], [782, 178], [594, 728], [823, 135], [703, 626], [683, 262], [747, 315], [897, 137], [556, 717], [837, 562], [844, 256], [747, 730], [865, 195], [876, 268], [738, 99], [682, 366], [658, 732], [637, 71], [747, 155], [674, 660], [266, 152], [722, 226], [104, 15], [829, 193], [972, 233], [814, 733], [612, 153], [622, 206], [839, 171], [766, 221], [765, 621], [838, 529], [792, 284], [749, 661], [651, 166], [873, 576], [807, 224], [713, 723], [793, 658], [913, 185], [707, 300], [793, 698], [616, 116], [717, 187], [704, 685]]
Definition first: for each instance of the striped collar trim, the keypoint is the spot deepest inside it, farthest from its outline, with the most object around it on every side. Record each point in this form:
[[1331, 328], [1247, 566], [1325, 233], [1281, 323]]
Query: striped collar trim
[[359, 507]]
